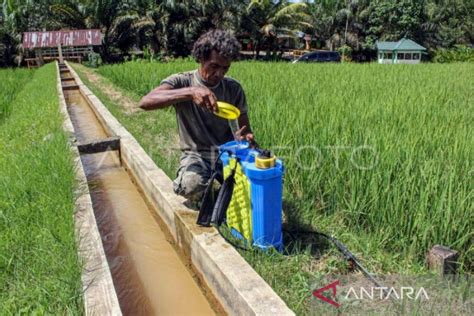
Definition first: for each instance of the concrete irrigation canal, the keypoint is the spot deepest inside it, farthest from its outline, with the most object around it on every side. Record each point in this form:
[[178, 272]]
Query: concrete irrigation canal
[[142, 252]]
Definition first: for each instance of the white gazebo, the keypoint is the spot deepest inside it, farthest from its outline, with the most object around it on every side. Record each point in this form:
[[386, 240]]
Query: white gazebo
[[405, 51]]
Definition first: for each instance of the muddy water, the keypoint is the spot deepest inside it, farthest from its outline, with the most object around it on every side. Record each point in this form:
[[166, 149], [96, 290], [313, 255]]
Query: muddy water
[[86, 125], [149, 277], [66, 75]]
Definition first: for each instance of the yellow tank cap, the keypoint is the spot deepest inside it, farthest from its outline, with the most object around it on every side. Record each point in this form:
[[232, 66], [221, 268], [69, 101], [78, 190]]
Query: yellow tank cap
[[227, 111], [265, 162]]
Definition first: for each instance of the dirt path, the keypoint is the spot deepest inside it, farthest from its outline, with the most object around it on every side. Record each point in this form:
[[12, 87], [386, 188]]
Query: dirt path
[[109, 89]]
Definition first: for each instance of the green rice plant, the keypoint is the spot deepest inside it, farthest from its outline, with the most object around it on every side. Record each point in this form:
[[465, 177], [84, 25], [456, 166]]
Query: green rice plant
[[39, 268], [132, 76], [12, 81], [380, 150], [390, 149]]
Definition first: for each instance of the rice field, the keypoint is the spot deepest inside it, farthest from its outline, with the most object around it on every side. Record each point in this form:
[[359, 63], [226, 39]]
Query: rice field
[[381, 157], [39, 268], [370, 150]]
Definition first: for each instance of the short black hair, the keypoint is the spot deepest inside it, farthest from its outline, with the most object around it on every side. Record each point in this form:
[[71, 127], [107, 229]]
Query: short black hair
[[224, 42]]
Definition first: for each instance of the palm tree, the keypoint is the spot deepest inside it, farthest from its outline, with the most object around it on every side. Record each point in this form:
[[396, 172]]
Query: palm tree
[[222, 14], [68, 13], [106, 15], [338, 23], [352, 18], [18, 17], [143, 24], [185, 23], [266, 19], [446, 23]]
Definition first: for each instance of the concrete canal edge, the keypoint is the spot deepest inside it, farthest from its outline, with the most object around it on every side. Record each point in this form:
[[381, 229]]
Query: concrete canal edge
[[100, 297], [239, 289]]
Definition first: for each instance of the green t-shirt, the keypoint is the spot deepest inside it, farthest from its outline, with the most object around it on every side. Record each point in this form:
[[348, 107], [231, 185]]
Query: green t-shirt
[[200, 131]]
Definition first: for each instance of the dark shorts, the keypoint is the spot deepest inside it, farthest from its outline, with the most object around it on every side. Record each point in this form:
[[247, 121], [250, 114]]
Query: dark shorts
[[193, 176]]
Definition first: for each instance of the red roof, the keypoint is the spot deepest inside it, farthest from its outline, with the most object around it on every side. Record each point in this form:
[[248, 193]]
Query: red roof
[[66, 38]]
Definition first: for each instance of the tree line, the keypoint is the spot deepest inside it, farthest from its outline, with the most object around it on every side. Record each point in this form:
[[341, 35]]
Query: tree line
[[169, 28]]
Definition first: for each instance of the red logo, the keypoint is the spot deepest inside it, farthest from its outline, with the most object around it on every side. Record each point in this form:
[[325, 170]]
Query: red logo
[[318, 293]]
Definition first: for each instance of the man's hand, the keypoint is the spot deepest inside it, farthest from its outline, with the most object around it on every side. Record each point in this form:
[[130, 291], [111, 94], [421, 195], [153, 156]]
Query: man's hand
[[205, 98], [241, 135], [251, 139]]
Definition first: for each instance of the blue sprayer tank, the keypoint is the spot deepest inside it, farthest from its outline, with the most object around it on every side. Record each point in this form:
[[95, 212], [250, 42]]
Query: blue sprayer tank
[[255, 211]]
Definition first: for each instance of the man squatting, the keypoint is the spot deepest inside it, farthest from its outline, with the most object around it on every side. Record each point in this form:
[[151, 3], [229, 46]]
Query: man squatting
[[194, 96]]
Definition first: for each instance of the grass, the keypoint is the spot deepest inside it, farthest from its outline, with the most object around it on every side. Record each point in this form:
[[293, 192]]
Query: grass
[[39, 267], [12, 81], [380, 156]]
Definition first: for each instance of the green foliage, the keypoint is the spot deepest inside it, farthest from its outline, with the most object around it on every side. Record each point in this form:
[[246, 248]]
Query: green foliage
[[39, 269], [447, 23], [391, 21], [265, 20], [345, 51], [458, 54], [93, 60], [170, 28], [6, 48], [359, 24], [148, 54]]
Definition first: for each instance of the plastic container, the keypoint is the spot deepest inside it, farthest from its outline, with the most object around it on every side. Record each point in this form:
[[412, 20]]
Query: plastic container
[[255, 212]]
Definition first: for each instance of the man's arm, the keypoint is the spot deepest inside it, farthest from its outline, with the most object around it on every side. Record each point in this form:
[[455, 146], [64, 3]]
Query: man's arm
[[164, 96]]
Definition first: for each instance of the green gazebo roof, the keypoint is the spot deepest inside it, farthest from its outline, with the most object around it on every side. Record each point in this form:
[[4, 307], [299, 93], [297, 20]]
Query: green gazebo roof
[[403, 44]]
